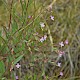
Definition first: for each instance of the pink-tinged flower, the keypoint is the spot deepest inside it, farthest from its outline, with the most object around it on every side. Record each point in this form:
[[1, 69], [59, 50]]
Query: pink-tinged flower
[[17, 77], [42, 24], [61, 53], [61, 74], [42, 39], [66, 42], [45, 36], [18, 65], [29, 16], [59, 64], [61, 44], [52, 18]]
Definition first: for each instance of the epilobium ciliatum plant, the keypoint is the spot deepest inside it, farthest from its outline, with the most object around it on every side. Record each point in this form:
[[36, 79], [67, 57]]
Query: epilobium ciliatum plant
[[39, 39]]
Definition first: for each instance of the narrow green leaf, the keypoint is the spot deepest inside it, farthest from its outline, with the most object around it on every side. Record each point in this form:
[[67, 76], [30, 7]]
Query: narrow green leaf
[[2, 68], [18, 59], [14, 27]]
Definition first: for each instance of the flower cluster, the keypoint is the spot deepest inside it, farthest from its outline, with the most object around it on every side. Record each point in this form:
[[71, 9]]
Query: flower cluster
[[61, 53], [43, 38], [63, 43]]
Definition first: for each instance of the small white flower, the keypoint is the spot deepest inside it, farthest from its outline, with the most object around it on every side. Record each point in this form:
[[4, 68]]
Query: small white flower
[[42, 24], [59, 64], [61, 44], [42, 39], [45, 36], [18, 65], [52, 18]]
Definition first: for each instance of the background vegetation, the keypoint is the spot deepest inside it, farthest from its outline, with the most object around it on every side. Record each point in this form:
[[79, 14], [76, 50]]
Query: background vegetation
[[24, 52]]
